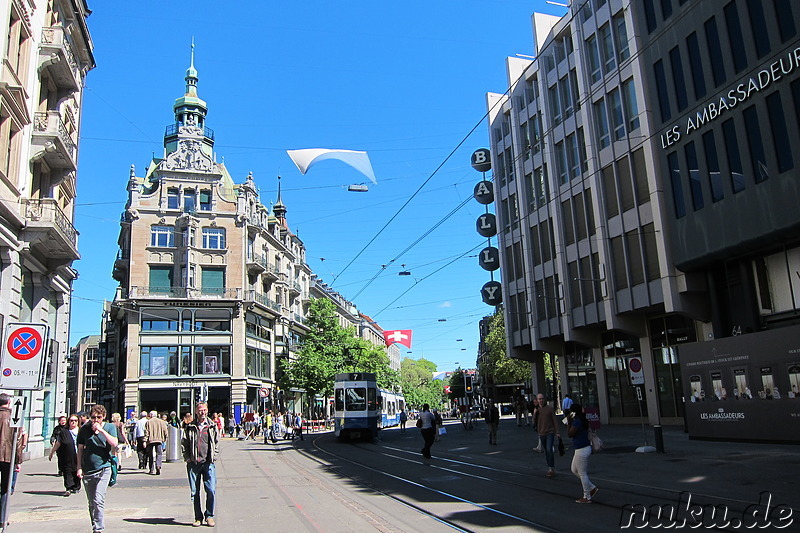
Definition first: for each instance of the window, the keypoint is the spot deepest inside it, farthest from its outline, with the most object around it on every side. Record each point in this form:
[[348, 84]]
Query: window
[[212, 359], [160, 279], [677, 78], [205, 200], [531, 90], [735, 37], [715, 51], [214, 238], [573, 158], [696, 65], [618, 256], [661, 87], [677, 185], [640, 177], [651, 252], [666, 9], [566, 219], [594, 59], [780, 136], [162, 236], [540, 186], [555, 105], [601, 124], [535, 246], [189, 201], [695, 185], [610, 189], [632, 239], [712, 163], [759, 26], [212, 280], [535, 133], [158, 361], [617, 117], [621, 38], [624, 184], [650, 15], [159, 320], [607, 45], [785, 18], [173, 198], [631, 106], [212, 320], [580, 216], [561, 163], [565, 91], [753, 131], [734, 159], [525, 136], [582, 150]]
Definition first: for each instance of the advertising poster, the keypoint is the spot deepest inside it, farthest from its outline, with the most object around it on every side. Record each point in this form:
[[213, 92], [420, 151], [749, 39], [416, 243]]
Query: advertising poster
[[744, 387]]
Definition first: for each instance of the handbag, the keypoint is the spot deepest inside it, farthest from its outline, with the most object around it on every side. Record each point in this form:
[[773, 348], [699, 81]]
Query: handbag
[[419, 423], [561, 450], [442, 431], [114, 470], [597, 443]]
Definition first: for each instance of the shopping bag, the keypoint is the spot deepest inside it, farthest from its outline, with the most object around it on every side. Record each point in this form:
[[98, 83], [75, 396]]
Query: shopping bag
[[442, 431], [597, 443], [561, 450], [114, 469]]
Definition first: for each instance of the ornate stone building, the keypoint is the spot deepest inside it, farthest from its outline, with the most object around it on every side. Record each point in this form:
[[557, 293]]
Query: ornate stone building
[[47, 52], [213, 286]]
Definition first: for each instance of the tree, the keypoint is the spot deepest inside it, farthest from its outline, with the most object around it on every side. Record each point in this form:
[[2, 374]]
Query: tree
[[419, 387], [498, 366], [329, 349]]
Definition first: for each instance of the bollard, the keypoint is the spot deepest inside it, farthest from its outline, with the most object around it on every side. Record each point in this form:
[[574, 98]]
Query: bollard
[[173, 445], [659, 435]]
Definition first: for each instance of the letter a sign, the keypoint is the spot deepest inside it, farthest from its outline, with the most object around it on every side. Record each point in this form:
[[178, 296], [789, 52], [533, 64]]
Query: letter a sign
[[23, 360]]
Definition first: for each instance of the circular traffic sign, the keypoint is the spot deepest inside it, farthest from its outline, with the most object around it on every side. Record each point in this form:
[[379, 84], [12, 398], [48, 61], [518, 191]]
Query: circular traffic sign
[[263, 392], [24, 343], [635, 364], [6, 372]]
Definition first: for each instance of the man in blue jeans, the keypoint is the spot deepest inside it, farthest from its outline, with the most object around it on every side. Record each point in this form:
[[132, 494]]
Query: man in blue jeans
[[547, 427], [200, 446]]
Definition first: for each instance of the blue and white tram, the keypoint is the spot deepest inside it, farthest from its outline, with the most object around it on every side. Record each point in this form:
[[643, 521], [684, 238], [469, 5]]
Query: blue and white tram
[[356, 402], [392, 404]]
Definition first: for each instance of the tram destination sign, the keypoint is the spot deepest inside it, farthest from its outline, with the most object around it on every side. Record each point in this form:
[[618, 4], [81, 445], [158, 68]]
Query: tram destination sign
[[24, 358]]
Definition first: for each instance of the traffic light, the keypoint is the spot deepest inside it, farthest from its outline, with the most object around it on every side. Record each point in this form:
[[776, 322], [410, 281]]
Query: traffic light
[[468, 384]]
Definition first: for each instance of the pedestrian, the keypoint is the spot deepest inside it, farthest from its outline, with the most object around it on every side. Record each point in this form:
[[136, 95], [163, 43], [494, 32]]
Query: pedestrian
[[6, 450], [174, 421], [187, 419], [155, 433], [66, 448], [566, 403], [579, 432], [520, 409], [427, 426], [492, 416], [116, 419], [83, 417], [96, 440], [141, 444], [403, 420], [231, 426], [548, 431], [62, 423], [298, 425], [200, 446]]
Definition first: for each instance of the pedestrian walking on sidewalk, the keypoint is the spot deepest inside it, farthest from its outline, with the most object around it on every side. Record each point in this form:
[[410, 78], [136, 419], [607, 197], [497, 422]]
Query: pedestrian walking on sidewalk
[[141, 444], [579, 432], [200, 446], [66, 448], [96, 440], [6, 449], [155, 433], [427, 426], [492, 416], [548, 431]]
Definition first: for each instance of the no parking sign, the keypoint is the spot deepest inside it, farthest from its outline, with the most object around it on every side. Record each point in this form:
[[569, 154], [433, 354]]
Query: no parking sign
[[23, 357]]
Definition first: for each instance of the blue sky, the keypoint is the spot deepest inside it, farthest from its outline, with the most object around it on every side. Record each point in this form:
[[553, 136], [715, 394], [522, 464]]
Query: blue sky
[[404, 81]]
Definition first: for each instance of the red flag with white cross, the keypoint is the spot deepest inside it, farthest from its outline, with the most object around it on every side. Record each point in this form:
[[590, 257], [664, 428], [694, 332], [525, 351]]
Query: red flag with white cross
[[400, 336]]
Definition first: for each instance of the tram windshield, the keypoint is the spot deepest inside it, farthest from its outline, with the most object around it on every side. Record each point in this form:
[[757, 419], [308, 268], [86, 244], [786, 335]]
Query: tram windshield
[[355, 399]]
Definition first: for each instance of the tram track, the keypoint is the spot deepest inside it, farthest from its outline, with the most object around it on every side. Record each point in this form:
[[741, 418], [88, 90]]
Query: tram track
[[522, 478]]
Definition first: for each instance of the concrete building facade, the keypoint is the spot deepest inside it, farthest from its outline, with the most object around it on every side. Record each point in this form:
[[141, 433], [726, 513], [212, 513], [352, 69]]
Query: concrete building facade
[[46, 55], [607, 253]]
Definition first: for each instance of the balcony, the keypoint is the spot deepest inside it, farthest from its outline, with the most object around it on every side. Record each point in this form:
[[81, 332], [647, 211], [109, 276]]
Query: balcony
[[121, 265], [294, 289], [255, 263], [56, 58], [263, 300], [157, 292], [49, 231], [52, 142]]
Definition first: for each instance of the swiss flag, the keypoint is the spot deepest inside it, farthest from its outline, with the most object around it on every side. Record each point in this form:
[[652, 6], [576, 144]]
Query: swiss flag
[[447, 389], [401, 336]]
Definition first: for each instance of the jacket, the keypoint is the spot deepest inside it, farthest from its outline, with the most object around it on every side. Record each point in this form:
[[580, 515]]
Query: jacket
[[7, 437], [189, 442], [155, 430]]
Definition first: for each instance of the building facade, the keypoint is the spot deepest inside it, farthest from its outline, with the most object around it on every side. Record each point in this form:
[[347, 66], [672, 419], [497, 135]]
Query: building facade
[[213, 286], [608, 255], [83, 375], [47, 52]]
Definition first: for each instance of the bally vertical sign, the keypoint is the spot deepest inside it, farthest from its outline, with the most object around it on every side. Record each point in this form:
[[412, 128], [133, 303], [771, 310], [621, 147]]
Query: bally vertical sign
[[24, 359]]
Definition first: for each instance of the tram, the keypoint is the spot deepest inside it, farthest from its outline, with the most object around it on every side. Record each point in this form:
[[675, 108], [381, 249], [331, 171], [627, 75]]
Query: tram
[[361, 409]]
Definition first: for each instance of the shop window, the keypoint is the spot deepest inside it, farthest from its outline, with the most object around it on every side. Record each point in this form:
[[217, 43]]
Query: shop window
[[212, 359], [158, 361], [581, 376], [618, 348]]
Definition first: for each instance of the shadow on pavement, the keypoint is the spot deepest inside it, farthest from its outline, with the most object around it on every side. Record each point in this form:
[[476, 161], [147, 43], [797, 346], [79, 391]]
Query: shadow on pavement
[[157, 521]]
